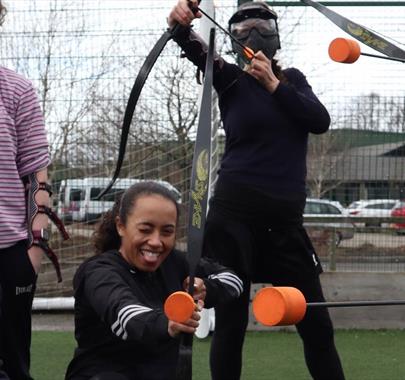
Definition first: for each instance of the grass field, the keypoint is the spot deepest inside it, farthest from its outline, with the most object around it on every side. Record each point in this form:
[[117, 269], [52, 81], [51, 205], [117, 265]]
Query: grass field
[[366, 355]]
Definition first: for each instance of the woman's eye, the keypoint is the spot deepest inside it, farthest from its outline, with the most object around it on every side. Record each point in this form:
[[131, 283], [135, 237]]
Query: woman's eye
[[168, 232], [144, 230]]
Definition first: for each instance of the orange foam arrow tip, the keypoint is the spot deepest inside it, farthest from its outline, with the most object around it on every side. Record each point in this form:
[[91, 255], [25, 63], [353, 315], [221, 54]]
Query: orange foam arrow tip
[[279, 306], [344, 50], [179, 307], [249, 53]]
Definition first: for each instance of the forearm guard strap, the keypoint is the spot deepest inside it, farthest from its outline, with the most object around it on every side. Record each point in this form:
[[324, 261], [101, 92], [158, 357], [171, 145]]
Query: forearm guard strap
[[32, 186]]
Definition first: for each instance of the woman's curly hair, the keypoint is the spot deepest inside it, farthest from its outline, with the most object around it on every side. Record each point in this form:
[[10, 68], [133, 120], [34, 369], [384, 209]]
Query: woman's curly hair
[[3, 12]]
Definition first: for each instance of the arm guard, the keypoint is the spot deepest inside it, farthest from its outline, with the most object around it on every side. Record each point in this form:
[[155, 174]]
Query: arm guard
[[32, 186]]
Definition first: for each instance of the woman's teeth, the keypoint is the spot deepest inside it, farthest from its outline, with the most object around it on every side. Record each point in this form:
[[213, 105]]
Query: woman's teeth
[[150, 254]]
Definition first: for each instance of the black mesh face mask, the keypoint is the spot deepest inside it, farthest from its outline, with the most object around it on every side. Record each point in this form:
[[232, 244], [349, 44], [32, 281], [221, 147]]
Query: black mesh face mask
[[255, 39], [255, 26]]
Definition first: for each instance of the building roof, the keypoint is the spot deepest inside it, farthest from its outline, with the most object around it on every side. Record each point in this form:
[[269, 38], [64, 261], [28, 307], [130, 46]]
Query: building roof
[[379, 162], [386, 150]]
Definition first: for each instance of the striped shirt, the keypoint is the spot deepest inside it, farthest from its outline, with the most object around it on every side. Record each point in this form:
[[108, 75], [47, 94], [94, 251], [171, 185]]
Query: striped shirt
[[23, 150]]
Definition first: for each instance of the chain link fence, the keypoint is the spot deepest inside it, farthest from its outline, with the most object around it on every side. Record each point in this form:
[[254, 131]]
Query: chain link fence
[[83, 57]]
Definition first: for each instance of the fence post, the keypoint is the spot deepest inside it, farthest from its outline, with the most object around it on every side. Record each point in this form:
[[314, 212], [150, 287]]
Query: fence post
[[332, 251]]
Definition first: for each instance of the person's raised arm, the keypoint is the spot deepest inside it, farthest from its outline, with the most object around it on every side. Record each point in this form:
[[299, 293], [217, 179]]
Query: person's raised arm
[[182, 13], [192, 44]]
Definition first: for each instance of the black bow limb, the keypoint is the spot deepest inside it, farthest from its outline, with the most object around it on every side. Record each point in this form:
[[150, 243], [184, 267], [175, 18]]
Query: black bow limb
[[198, 201], [134, 97], [359, 32]]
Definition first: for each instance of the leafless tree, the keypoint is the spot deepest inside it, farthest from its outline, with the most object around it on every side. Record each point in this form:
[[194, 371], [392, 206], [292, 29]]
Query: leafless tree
[[375, 112], [160, 142], [66, 75], [325, 153]]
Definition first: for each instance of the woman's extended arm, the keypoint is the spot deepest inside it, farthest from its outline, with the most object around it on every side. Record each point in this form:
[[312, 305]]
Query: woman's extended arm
[[221, 283], [118, 306]]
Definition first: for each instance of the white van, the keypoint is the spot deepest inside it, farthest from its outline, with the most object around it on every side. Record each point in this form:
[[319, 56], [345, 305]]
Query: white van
[[70, 193], [77, 197]]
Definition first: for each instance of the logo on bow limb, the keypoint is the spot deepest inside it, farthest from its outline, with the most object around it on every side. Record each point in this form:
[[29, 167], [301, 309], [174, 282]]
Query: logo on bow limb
[[200, 187]]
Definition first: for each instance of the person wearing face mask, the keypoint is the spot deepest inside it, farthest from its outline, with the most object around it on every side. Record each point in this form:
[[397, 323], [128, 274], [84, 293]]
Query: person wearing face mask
[[255, 219], [120, 327], [255, 26]]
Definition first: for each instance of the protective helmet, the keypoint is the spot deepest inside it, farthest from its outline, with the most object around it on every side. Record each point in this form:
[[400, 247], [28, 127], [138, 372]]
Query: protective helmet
[[254, 24], [252, 9]]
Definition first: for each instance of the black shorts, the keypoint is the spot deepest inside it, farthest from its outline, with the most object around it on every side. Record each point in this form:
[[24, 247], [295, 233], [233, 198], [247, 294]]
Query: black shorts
[[259, 236]]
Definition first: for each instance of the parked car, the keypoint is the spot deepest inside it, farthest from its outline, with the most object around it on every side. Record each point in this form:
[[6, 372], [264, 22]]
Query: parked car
[[373, 208], [399, 210], [78, 197], [325, 208]]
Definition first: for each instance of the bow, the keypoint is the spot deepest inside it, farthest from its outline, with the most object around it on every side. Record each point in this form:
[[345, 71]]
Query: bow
[[198, 200], [133, 99], [360, 33]]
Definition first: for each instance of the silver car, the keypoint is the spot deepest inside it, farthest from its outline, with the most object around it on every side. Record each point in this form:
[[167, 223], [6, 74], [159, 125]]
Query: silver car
[[324, 208]]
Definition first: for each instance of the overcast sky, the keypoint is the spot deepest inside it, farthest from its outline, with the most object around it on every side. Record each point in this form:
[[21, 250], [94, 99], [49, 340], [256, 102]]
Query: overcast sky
[[305, 49]]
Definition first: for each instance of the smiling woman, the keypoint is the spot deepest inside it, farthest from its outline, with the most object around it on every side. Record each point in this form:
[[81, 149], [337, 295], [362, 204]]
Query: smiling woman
[[120, 327], [148, 235]]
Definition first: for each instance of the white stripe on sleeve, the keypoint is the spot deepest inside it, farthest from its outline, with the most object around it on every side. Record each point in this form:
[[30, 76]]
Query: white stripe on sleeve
[[124, 315], [229, 279]]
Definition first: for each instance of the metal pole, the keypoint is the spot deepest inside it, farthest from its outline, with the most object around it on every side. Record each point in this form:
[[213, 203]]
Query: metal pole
[[205, 24], [298, 3], [383, 57], [332, 256], [356, 303]]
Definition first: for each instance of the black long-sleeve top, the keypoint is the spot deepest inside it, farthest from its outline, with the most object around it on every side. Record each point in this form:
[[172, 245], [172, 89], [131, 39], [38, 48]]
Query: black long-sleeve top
[[266, 134], [120, 325]]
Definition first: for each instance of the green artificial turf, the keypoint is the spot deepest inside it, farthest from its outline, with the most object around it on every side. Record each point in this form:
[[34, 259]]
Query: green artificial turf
[[366, 355]]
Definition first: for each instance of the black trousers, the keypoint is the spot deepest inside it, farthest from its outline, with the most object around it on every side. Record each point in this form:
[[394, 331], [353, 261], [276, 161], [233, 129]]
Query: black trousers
[[17, 287], [315, 329], [263, 240]]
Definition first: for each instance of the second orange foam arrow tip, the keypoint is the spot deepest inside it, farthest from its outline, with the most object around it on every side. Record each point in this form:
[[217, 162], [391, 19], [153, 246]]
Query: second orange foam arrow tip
[[344, 50], [279, 306]]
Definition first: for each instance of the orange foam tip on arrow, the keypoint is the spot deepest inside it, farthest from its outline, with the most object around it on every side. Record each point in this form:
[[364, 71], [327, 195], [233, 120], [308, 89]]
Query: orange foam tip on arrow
[[279, 306], [344, 50], [179, 307], [249, 53]]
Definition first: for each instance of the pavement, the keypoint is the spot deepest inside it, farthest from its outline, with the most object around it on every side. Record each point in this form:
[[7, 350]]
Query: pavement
[[53, 321]]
